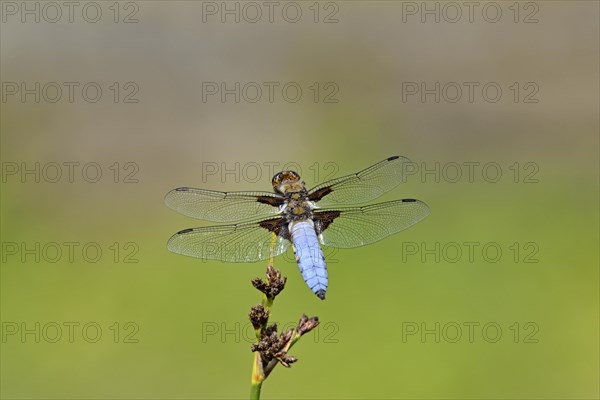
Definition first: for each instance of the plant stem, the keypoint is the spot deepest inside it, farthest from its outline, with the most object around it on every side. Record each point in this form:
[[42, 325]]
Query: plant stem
[[255, 391], [258, 376]]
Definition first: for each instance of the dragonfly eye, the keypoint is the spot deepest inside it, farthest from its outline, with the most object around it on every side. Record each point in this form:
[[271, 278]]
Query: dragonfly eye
[[283, 178]]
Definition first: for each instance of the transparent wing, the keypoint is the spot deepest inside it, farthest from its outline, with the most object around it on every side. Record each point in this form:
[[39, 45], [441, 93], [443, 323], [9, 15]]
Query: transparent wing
[[363, 186], [244, 242], [216, 206], [358, 226]]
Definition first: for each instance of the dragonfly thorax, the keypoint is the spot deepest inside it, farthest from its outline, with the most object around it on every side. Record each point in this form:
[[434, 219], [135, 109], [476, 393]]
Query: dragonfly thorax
[[297, 207]]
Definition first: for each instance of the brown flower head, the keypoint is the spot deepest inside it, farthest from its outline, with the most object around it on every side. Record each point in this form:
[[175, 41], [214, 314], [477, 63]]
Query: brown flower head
[[259, 316], [273, 285], [306, 324]]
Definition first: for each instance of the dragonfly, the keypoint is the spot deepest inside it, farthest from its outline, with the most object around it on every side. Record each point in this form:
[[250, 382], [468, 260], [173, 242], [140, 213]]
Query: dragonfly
[[267, 223]]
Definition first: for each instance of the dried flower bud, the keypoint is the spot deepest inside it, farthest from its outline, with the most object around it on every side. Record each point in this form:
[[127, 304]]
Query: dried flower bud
[[269, 330], [258, 316], [306, 324], [268, 344], [273, 285], [275, 279], [286, 360], [284, 338]]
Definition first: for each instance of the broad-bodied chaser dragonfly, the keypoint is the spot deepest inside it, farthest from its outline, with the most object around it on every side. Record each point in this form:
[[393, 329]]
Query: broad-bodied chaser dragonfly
[[292, 214]]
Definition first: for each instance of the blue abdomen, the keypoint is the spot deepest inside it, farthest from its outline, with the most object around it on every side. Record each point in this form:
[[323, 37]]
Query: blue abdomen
[[309, 256]]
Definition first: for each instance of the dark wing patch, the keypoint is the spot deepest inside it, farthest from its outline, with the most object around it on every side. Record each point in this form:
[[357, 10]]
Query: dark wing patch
[[319, 194], [277, 226], [323, 219], [270, 200]]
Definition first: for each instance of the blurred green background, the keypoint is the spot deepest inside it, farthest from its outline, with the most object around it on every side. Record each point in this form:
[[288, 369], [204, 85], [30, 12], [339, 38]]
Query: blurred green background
[[176, 327]]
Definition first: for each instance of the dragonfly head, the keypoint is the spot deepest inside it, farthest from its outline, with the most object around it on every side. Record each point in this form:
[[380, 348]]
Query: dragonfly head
[[287, 181]]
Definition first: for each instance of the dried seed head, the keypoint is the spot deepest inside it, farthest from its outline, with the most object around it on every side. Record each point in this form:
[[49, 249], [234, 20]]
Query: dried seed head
[[258, 316], [273, 285], [285, 337], [269, 330], [306, 324], [286, 360], [268, 344]]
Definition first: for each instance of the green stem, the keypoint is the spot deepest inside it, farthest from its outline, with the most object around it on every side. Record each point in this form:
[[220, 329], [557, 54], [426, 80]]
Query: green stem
[[266, 302], [258, 376], [255, 391]]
